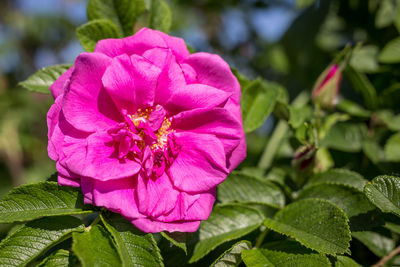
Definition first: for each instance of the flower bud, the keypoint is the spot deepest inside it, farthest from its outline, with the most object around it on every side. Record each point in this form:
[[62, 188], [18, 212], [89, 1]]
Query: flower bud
[[304, 158], [326, 88]]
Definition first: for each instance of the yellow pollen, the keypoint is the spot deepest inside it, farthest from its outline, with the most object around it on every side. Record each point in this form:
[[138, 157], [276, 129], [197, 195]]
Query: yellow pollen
[[162, 133]]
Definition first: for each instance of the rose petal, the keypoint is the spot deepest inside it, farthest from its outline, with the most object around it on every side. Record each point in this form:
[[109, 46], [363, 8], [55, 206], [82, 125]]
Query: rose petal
[[59, 86], [116, 195], [131, 82], [151, 226], [86, 105], [201, 163], [69, 181], [218, 122], [141, 41], [195, 96], [156, 197], [171, 79], [212, 70], [98, 159]]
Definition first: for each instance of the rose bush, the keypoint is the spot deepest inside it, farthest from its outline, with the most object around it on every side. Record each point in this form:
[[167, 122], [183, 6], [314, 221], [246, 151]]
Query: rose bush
[[147, 130]]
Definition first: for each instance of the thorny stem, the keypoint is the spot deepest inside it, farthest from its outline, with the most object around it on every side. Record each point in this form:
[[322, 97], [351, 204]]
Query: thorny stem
[[387, 257]]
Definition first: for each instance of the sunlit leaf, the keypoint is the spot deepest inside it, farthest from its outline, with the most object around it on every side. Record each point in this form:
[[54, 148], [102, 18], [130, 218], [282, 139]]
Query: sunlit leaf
[[44, 78], [316, 224]]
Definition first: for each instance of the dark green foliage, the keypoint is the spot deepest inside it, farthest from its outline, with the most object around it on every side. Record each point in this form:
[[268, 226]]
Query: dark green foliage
[[326, 175]]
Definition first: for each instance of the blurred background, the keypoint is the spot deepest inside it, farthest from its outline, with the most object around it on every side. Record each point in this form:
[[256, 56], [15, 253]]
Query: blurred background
[[286, 41]]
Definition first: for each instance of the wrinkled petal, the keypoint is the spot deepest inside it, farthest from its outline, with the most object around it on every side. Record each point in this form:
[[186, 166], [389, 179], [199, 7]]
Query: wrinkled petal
[[86, 105], [156, 196], [152, 226], [171, 80], [141, 41], [116, 195], [131, 82], [202, 207], [52, 122], [195, 96], [218, 122], [69, 181], [58, 87], [201, 163], [98, 159], [212, 70]]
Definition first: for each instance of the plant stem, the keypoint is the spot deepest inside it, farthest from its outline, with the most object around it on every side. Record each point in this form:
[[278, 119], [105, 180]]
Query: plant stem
[[278, 135], [261, 238], [95, 221], [387, 257]]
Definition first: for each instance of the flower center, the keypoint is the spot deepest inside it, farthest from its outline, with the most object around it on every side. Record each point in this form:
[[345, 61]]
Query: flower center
[[143, 137]]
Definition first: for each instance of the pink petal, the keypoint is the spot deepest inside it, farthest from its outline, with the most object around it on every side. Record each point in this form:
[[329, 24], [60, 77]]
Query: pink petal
[[156, 197], [183, 202], [171, 79], [101, 161], [202, 207], [195, 96], [69, 181], [131, 82], [141, 41], [212, 70], [52, 122], [58, 87], [218, 122], [201, 163], [86, 105], [116, 195], [150, 226]]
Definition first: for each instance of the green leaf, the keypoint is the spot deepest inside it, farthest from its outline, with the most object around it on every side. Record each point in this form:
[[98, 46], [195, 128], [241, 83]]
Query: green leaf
[[386, 14], [160, 15], [343, 261], [392, 148], [123, 13], [232, 257], [258, 101], [59, 258], [316, 224], [249, 189], [384, 192], [347, 137], [178, 239], [93, 31], [378, 243], [33, 201], [354, 203], [353, 109], [362, 84], [298, 115], [94, 247], [269, 258], [36, 237], [389, 119], [339, 176], [364, 59], [134, 247], [391, 52], [226, 223], [44, 78], [373, 151]]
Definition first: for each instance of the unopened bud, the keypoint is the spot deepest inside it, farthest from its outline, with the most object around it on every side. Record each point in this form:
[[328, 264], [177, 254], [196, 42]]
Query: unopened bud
[[304, 157], [326, 88]]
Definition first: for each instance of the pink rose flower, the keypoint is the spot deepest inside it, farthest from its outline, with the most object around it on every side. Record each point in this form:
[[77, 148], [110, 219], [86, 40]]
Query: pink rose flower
[[147, 130]]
